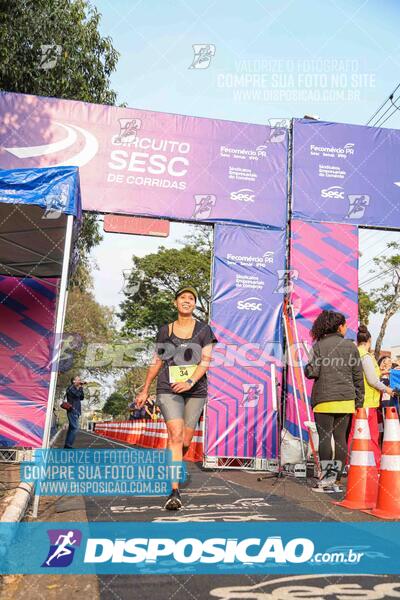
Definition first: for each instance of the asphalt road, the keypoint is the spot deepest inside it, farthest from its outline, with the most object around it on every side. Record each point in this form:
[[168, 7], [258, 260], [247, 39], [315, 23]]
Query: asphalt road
[[247, 587], [231, 496]]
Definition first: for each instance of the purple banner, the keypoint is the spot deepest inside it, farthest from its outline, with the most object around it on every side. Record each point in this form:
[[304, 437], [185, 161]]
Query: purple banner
[[324, 268], [242, 413], [346, 174], [140, 162]]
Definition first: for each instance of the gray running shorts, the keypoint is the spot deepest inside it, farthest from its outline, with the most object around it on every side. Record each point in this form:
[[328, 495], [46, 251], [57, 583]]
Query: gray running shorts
[[175, 406]]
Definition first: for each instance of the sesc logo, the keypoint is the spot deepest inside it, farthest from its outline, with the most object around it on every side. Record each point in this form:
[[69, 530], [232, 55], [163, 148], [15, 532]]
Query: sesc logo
[[335, 192], [244, 195], [357, 587], [252, 304]]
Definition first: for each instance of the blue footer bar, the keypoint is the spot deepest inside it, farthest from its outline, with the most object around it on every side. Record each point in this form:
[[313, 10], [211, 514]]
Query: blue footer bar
[[199, 548]]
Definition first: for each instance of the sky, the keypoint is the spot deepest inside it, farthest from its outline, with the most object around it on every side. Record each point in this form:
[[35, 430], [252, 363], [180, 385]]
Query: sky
[[272, 60]]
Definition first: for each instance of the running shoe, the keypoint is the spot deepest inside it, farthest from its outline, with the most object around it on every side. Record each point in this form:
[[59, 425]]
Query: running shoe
[[174, 501], [327, 488]]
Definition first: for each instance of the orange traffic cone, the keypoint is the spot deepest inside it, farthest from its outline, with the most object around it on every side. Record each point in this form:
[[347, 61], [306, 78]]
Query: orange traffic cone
[[388, 504], [362, 481]]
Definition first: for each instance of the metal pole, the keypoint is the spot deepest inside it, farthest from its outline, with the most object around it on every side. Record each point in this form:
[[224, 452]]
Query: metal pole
[[61, 307], [303, 380], [287, 281], [273, 388], [296, 401], [204, 425]]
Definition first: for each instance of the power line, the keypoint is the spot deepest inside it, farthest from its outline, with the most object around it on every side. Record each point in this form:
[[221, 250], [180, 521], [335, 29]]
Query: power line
[[383, 114], [364, 266], [385, 249], [391, 114], [389, 108], [377, 276], [382, 105]]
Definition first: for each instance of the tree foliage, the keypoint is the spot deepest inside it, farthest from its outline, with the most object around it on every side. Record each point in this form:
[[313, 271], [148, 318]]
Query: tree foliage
[[366, 306], [89, 236], [116, 405], [86, 322], [155, 278], [54, 48], [34, 34], [131, 382], [386, 297]]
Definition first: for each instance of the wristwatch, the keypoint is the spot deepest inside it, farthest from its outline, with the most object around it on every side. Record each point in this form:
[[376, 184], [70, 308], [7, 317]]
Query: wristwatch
[[190, 382]]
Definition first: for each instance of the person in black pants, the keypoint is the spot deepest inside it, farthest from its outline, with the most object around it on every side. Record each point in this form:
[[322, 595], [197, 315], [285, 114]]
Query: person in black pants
[[338, 389], [74, 395]]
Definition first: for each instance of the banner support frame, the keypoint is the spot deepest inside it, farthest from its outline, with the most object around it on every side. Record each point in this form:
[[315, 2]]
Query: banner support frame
[[59, 325]]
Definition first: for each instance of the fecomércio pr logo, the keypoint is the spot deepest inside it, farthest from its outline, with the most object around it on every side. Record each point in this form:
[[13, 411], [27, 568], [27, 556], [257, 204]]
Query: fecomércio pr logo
[[63, 543]]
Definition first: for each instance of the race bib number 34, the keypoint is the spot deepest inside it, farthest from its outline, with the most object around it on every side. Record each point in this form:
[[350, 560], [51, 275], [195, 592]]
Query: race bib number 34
[[181, 373]]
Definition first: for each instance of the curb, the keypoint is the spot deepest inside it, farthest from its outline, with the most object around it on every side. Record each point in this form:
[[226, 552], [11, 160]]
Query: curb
[[19, 500], [18, 503]]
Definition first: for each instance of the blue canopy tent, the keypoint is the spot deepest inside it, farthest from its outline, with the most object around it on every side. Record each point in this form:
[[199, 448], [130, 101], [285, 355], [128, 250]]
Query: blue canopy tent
[[40, 212], [33, 227]]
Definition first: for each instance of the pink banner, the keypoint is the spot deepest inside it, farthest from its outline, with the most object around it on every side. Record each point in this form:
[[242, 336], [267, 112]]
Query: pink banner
[[27, 318], [324, 264], [140, 162]]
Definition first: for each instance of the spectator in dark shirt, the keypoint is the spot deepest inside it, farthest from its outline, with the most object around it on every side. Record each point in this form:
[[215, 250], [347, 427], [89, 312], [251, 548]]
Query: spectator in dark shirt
[[135, 412], [151, 409], [74, 394]]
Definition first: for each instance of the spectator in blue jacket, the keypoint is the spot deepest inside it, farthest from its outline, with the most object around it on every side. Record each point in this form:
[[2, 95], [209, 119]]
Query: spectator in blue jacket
[[74, 394]]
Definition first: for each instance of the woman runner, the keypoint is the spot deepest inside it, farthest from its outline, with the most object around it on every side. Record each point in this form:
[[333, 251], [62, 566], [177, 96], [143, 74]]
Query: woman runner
[[182, 358]]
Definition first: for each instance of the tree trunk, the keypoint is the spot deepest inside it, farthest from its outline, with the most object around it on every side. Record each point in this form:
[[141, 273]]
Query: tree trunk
[[388, 314], [381, 335], [390, 311]]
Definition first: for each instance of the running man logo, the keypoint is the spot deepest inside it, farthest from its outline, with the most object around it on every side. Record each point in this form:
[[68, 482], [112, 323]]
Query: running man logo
[[56, 201], [252, 393], [62, 547], [130, 286], [203, 54], [204, 204], [357, 205], [50, 55], [69, 345], [286, 279], [277, 130], [128, 129]]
